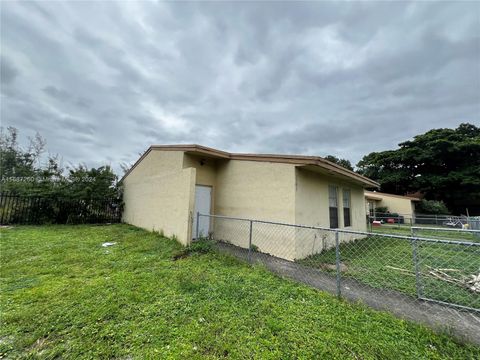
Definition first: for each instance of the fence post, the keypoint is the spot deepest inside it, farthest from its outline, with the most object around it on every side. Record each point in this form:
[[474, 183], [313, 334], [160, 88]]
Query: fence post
[[250, 243], [416, 265], [2, 199], [337, 262], [197, 225]]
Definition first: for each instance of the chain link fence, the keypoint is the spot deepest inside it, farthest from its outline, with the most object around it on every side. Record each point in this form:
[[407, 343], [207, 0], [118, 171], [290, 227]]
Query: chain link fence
[[431, 273], [405, 221]]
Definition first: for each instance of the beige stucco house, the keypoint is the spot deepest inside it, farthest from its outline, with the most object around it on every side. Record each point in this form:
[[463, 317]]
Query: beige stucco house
[[402, 205], [168, 185]]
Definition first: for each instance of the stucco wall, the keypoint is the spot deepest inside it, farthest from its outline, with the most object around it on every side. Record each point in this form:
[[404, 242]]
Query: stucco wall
[[395, 204], [156, 163], [312, 208], [159, 195], [206, 175], [256, 190], [398, 205], [206, 169]]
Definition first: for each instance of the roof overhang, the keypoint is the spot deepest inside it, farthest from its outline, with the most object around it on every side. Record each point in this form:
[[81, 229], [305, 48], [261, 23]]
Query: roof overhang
[[340, 173], [194, 150], [378, 196], [312, 163]]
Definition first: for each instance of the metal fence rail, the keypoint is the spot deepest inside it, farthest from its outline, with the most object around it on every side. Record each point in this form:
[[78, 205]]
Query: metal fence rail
[[406, 220], [436, 265], [17, 209]]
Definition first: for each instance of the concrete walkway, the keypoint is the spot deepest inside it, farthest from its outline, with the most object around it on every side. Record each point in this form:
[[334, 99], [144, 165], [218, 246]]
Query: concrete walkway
[[461, 324]]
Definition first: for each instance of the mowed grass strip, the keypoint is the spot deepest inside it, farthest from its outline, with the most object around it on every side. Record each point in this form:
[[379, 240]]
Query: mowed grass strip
[[63, 295]]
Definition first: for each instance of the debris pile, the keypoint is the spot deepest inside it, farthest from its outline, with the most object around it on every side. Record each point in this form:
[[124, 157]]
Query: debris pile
[[474, 283], [452, 276]]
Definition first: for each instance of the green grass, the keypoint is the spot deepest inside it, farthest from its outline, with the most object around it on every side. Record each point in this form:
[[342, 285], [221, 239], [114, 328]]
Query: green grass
[[406, 231], [65, 296], [378, 262]]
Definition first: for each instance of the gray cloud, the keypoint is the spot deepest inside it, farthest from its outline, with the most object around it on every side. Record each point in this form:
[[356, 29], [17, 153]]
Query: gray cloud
[[77, 126], [8, 73], [58, 94], [313, 78]]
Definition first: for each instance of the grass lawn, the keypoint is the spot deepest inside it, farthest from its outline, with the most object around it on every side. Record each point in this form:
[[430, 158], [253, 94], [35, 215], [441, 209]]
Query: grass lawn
[[405, 230], [63, 295], [387, 263]]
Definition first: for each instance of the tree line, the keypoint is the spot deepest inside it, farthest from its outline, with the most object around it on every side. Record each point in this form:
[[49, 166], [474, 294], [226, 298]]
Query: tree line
[[442, 164], [30, 171]]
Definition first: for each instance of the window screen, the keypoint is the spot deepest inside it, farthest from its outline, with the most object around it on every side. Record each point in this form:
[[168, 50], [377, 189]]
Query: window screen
[[346, 208], [333, 206]]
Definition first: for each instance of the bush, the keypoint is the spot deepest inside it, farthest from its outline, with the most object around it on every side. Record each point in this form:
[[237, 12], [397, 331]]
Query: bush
[[382, 210], [432, 207], [202, 246]]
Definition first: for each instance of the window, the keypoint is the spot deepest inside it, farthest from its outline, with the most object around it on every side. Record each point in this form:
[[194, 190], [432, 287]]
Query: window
[[333, 206], [346, 208], [371, 208]]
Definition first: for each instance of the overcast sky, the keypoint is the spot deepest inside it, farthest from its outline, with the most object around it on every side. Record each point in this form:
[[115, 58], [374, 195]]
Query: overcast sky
[[101, 81]]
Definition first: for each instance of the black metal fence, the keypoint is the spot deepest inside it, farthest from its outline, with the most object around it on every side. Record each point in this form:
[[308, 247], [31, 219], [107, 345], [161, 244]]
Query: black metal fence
[[18, 209]]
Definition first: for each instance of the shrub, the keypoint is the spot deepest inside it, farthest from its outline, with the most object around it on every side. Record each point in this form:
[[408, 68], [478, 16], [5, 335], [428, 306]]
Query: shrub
[[202, 246], [432, 207], [382, 210]]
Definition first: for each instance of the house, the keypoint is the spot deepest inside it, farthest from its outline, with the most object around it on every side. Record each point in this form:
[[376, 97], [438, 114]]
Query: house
[[398, 204], [169, 184]]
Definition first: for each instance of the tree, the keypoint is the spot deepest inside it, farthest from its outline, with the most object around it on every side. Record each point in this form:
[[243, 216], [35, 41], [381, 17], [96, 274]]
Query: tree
[[15, 161], [20, 168], [342, 162], [444, 164], [92, 183], [431, 207], [23, 173]]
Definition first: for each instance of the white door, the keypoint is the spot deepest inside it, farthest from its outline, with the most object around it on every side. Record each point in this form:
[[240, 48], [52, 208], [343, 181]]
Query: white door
[[203, 202]]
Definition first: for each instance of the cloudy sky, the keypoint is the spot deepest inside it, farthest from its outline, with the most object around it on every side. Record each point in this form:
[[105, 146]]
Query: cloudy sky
[[101, 81]]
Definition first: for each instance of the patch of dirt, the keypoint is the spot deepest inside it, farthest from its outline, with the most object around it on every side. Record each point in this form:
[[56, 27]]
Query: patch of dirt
[[333, 267], [39, 345], [180, 255]]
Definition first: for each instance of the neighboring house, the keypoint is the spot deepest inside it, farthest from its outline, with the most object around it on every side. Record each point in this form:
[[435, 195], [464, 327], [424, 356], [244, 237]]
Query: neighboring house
[[402, 205], [168, 185]]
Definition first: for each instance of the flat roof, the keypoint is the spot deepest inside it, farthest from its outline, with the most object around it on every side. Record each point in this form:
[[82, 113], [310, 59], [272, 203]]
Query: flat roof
[[299, 160], [373, 197], [378, 195]]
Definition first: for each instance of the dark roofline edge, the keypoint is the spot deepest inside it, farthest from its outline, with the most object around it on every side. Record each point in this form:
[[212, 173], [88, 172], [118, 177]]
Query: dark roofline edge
[[307, 159]]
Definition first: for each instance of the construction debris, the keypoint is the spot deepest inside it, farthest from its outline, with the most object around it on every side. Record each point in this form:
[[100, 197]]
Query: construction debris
[[471, 282], [106, 244], [474, 283]]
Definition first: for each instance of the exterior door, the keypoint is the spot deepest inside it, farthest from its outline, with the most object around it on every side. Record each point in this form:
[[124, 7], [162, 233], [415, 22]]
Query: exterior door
[[203, 205]]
